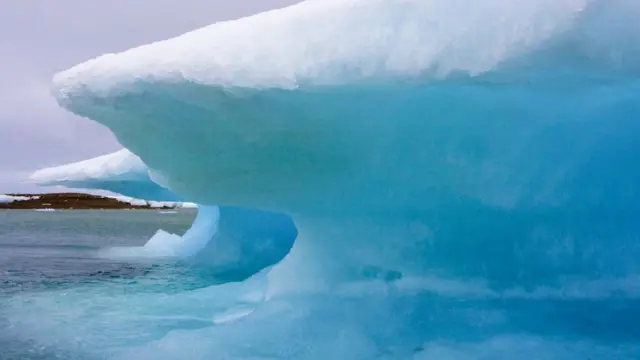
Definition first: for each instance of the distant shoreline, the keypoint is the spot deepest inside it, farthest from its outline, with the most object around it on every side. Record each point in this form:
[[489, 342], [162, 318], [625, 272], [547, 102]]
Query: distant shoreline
[[75, 201]]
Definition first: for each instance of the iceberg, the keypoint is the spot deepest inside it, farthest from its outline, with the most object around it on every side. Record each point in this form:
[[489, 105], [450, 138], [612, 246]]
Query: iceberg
[[414, 119], [437, 159]]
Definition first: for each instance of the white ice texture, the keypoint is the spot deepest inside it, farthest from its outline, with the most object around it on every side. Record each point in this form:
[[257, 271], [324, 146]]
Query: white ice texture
[[120, 165], [492, 141]]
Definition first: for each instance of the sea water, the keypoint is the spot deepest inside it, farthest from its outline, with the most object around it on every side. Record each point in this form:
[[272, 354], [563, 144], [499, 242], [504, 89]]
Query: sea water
[[48, 256]]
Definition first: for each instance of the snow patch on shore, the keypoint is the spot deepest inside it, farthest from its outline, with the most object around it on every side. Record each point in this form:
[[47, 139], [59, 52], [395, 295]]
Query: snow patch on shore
[[7, 199], [154, 204]]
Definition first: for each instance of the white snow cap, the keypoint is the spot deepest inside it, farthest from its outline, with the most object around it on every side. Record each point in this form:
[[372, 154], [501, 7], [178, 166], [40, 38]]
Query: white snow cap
[[333, 42]]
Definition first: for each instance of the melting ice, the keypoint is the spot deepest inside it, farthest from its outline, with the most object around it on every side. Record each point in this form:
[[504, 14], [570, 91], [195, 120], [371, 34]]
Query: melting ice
[[462, 176]]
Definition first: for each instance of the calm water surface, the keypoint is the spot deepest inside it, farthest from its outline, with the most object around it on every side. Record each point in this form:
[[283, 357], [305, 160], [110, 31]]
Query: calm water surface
[[44, 251]]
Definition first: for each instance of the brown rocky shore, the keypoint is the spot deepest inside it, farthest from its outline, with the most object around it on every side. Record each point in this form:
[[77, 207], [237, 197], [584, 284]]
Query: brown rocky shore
[[77, 201]]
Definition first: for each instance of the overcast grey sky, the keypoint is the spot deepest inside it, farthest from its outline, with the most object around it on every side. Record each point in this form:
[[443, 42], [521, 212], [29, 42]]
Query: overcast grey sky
[[39, 38]]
